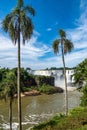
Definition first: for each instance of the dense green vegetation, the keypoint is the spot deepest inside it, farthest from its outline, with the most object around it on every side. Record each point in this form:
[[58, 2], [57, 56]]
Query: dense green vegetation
[[43, 84], [81, 73], [76, 120], [81, 80], [60, 68], [48, 89]]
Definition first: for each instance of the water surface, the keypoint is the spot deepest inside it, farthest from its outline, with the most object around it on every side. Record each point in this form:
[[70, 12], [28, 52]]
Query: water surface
[[36, 109]]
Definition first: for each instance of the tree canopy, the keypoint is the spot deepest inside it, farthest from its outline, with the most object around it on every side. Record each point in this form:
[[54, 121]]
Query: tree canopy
[[81, 72]]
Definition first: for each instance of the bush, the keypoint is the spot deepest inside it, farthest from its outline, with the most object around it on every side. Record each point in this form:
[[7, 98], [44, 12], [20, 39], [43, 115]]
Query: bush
[[49, 89], [77, 111], [84, 96], [48, 124]]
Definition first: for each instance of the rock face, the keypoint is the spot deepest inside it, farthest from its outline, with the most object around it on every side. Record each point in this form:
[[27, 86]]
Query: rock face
[[58, 76], [29, 82], [40, 80]]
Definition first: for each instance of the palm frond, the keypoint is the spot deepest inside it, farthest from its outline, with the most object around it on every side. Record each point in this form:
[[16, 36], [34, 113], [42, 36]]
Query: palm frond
[[20, 3], [68, 46], [56, 46], [29, 9], [5, 23], [26, 28], [12, 26], [62, 34], [15, 12], [12, 31]]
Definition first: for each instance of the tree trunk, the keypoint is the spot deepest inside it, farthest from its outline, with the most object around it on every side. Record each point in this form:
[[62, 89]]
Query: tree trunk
[[10, 113], [18, 83], [66, 94]]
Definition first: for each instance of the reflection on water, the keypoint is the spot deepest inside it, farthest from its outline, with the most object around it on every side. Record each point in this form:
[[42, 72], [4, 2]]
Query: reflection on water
[[36, 109]]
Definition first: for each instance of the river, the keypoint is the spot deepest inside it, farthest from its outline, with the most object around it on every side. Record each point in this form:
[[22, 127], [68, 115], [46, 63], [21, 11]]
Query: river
[[36, 109]]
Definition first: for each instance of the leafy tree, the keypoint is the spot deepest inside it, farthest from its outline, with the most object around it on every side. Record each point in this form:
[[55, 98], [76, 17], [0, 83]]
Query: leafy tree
[[66, 46], [8, 90], [81, 73], [3, 72], [18, 23], [84, 96], [81, 79]]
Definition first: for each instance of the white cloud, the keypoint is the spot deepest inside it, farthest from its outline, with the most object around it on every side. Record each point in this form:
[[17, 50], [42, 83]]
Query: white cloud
[[31, 51], [83, 5], [52, 26], [49, 29]]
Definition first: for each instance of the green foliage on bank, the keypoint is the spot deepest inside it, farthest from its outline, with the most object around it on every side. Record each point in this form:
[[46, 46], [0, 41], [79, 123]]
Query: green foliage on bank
[[84, 96], [76, 120], [81, 73], [43, 84], [48, 89], [81, 79]]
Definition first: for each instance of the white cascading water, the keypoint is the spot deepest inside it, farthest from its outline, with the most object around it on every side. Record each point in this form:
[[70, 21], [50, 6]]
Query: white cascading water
[[60, 82]]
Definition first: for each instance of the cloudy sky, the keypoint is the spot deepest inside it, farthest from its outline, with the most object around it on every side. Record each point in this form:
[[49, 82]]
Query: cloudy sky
[[51, 15]]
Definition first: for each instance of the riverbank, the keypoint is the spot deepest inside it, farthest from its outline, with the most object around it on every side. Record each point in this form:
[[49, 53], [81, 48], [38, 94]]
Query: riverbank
[[69, 88], [29, 93], [32, 93], [76, 120], [45, 89]]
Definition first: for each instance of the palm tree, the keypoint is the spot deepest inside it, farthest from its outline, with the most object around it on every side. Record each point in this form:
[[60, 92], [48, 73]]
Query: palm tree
[[8, 89], [17, 24], [66, 46]]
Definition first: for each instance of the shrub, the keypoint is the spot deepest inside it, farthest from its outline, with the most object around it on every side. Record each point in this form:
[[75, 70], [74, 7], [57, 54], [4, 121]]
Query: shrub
[[77, 111], [49, 89], [84, 96]]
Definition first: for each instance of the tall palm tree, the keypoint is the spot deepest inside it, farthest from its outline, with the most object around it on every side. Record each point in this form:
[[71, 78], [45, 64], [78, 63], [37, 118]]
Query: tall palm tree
[[66, 46], [18, 23]]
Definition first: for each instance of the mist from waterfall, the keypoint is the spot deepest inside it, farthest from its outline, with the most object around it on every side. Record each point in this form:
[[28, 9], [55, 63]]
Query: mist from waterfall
[[60, 81]]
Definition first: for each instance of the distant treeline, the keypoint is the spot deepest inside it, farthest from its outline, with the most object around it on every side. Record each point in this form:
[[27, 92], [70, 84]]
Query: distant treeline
[[55, 68], [61, 68]]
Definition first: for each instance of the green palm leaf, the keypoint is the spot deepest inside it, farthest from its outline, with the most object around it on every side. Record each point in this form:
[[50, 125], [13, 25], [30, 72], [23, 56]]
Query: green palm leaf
[[56, 46], [68, 46]]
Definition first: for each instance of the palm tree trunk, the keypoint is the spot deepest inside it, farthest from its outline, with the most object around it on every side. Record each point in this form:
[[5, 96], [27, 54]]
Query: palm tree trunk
[[66, 94], [19, 91], [10, 113]]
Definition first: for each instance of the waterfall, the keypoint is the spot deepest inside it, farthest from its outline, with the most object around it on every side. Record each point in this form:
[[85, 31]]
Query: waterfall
[[60, 81], [58, 76]]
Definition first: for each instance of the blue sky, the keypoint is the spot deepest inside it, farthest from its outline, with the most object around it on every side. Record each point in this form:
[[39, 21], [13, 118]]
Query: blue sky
[[51, 15]]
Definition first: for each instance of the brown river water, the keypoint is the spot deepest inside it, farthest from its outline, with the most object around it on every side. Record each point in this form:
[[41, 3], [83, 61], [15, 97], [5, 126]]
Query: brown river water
[[36, 109]]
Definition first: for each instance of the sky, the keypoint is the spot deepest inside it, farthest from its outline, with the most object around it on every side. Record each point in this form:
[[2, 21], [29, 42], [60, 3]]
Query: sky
[[50, 16]]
